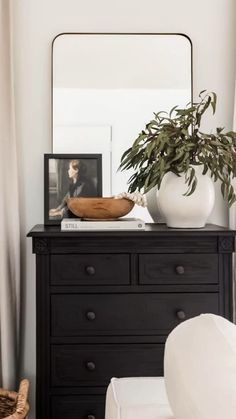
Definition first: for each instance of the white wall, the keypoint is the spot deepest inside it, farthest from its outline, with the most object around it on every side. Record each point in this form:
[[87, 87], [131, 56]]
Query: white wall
[[209, 23]]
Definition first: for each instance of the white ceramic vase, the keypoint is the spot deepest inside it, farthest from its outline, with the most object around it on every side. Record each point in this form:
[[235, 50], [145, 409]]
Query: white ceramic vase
[[153, 206], [186, 211]]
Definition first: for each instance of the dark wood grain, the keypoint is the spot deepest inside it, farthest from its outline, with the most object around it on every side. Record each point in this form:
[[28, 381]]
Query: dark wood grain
[[88, 269], [70, 363], [125, 314], [106, 302], [178, 269], [78, 407]]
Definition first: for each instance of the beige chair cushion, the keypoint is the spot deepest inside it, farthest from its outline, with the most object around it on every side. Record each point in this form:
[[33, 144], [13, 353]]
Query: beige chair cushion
[[200, 368], [137, 398]]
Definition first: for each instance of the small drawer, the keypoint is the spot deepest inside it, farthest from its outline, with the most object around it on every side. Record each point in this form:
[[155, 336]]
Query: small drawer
[[95, 365], [78, 407], [178, 269], [90, 269], [125, 314]]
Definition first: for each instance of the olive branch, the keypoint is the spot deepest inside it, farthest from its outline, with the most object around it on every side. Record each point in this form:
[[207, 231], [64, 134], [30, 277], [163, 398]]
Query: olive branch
[[173, 142]]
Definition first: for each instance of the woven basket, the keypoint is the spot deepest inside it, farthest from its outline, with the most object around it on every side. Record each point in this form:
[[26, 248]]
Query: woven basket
[[14, 405]]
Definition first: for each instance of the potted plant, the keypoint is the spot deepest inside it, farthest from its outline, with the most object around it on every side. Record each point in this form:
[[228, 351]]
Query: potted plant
[[173, 154]]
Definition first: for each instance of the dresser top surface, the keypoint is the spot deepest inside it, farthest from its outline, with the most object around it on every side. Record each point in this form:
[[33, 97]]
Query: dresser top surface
[[41, 230]]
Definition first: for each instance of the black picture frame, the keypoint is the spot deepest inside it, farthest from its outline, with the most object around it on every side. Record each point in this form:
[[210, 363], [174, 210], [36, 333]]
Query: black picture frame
[[59, 183]]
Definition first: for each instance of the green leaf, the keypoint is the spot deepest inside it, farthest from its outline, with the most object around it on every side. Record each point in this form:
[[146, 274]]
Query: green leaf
[[203, 107], [126, 153], [185, 112], [205, 169], [174, 142], [191, 176], [172, 110], [192, 189], [233, 200], [140, 138], [223, 189], [213, 102]]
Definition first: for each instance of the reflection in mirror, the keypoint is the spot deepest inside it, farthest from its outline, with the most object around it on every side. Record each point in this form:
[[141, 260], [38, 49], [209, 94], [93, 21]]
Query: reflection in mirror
[[106, 87]]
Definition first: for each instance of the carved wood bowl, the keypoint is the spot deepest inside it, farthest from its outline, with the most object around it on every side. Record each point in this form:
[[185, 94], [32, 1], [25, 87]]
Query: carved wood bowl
[[100, 208]]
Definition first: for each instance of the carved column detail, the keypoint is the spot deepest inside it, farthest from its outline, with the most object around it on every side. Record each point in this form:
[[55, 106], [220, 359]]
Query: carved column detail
[[41, 245], [226, 244]]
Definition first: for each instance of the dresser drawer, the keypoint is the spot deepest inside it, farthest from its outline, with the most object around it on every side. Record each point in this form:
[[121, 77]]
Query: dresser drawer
[[95, 365], [178, 269], [90, 269], [126, 314], [78, 407]]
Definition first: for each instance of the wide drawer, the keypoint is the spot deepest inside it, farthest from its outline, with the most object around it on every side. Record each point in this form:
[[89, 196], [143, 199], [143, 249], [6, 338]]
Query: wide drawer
[[126, 314], [78, 407], [95, 365], [178, 269], [90, 269]]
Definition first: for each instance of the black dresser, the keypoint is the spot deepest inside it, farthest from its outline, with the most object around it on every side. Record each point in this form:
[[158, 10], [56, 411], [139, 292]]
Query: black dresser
[[107, 300]]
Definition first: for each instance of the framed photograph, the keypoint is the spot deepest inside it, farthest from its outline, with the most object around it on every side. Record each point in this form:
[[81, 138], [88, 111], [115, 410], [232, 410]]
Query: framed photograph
[[67, 176]]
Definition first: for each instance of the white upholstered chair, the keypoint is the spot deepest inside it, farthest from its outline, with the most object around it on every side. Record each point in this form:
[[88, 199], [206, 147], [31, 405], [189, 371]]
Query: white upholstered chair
[[137, 398], [200, 377]]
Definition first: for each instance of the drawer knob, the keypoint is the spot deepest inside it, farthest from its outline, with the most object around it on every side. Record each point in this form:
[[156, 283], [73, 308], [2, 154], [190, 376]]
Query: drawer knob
[[181, 315], [90, 366], [90, 270], [91, 315], [179, 270], [91, 417]]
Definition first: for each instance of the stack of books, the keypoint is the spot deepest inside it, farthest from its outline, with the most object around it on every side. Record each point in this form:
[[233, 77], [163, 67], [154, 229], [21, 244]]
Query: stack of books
[[74, 224]]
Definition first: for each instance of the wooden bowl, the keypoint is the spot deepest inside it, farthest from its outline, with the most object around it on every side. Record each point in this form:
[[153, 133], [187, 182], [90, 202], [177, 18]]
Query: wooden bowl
[[100, 208]]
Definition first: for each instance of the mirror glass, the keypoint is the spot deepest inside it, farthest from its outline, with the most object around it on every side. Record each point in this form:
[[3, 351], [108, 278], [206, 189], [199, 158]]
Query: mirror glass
[[106, 87]]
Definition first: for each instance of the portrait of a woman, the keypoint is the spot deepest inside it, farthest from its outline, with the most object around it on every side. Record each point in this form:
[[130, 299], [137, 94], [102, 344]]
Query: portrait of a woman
[[70, 178]]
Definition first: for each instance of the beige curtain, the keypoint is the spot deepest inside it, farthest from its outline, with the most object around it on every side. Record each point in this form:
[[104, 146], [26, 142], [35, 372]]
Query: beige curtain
[[9, 210]]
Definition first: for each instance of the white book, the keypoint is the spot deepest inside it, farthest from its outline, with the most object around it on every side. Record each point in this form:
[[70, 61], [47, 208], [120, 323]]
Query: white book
[[74, 224]]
